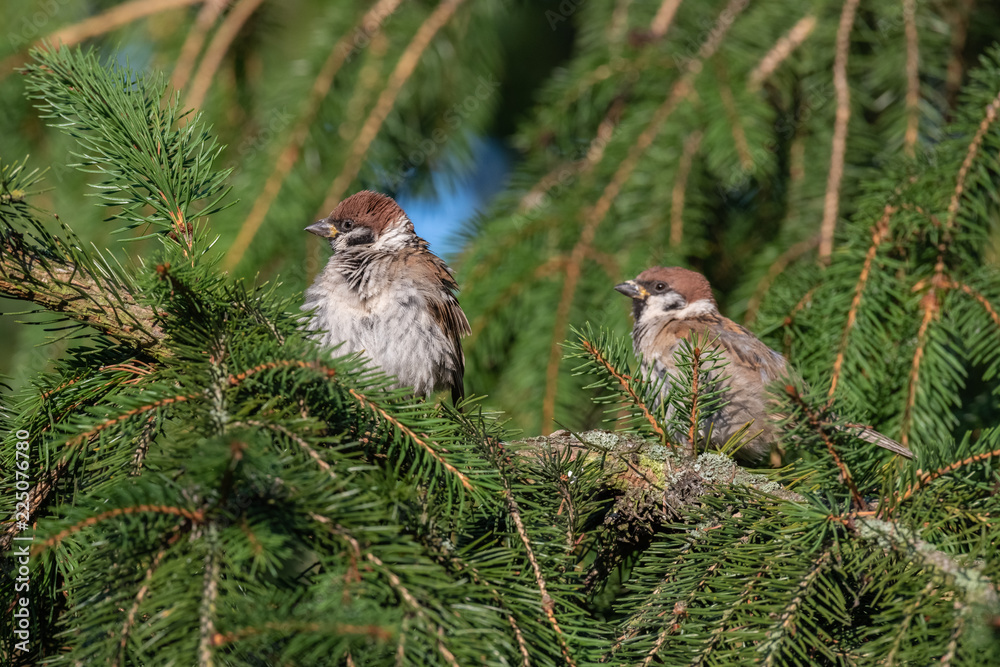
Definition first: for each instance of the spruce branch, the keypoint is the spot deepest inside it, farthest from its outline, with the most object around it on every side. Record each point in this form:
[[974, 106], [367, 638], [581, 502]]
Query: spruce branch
[[593, 216], [195, 516], [817, 425], [879, 233], [132, 140], [831, 204], [80, 294], [600, 354]]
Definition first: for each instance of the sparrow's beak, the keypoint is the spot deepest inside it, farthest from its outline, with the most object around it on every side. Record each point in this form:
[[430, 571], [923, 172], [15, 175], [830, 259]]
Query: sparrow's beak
[[322, 228], [632, 289]]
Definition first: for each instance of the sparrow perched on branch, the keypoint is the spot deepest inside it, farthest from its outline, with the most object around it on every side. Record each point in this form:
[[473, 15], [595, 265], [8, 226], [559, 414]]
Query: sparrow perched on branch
[[670, 304], [384, 294]]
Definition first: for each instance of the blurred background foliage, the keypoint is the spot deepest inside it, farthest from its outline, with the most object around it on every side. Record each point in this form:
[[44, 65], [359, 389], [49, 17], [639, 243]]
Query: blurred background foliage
[[549, 150]]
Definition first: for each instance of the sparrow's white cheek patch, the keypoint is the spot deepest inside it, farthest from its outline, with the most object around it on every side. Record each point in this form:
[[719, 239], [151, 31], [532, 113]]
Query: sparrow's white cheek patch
[[696, 309]]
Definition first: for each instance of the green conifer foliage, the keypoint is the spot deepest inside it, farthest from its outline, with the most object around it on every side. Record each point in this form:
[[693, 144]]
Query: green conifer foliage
[[192, 481]]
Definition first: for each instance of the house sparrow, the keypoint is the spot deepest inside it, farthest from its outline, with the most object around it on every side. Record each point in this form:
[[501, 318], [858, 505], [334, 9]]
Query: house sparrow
[[670, 304], [384, 294]]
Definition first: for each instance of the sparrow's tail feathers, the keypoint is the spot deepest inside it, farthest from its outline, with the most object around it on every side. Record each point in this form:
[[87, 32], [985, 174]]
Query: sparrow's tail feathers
[[869, 434]]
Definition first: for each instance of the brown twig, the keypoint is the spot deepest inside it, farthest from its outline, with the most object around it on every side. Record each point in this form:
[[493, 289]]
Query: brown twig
[[287, 628], [626, 384], [293, 146], [387, 100], [679, 192], [785, 622], [783, 48], [548, 606], [925, 478], [930, 307], [195, 40], [217, 50], [879, 233], [776, 269], [912, 76], [191, 515], [831, 202], [593, 216], [405, 430], [817, 425], [695, 377], [989, 117], [660, 24]]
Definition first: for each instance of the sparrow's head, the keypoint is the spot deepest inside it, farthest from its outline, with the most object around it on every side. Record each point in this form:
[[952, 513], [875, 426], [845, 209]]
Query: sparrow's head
[[668, 293], [363, 219]]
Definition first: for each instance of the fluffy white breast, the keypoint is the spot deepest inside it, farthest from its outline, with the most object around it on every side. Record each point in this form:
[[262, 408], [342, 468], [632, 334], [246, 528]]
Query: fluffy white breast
[[387, 322]]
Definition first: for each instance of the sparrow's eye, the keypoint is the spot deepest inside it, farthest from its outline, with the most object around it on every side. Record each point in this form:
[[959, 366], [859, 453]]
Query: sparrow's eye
[[347, 225], [659, 287]]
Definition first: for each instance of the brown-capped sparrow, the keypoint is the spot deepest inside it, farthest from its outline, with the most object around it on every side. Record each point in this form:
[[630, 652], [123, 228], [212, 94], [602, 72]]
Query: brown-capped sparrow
[[670, 304], [385, 295]]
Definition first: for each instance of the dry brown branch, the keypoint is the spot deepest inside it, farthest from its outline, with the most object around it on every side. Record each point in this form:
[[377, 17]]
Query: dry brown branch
[[925, 478], [405, 430], [103, 23], [879, 233], [831, 203], [374, 17], [626, 384], [989, 117], [195, 40], [660, 24], [217, 50], [130, 617], [930, 307], [776, 269], [912, 76], [400, 75], [593, 216], [679, 192], [817, 425], [548, 606], [287, 628], [191, 515], [959, 20], [63, 289], [781, 50]]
